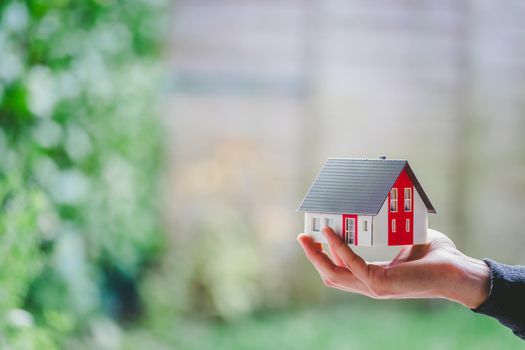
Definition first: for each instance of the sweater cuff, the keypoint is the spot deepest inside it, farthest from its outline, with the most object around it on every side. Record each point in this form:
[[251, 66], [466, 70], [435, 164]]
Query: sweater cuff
[[505, 300]]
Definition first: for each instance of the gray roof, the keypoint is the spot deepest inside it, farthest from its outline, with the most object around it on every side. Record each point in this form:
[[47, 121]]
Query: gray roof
[[359, 186]]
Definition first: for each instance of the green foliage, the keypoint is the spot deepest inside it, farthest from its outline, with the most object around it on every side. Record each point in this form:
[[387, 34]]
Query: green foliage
[[80, 155]]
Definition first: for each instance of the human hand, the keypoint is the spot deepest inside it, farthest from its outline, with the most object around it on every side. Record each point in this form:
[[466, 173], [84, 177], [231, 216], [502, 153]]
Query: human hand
[[432, 270]]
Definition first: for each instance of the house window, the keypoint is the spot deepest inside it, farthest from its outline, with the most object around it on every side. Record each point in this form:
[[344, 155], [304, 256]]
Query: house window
[[316, 224], [350, 230], [365, 225], [408, 199], [393, 225], [393, 200], [407, 225], [329, 222]]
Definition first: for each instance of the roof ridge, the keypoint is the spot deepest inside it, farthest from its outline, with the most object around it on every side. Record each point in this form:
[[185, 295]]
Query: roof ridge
[[370, 159]]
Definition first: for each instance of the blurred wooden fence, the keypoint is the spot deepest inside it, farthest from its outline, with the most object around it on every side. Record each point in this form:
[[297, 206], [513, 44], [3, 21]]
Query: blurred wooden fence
[[438, 82]]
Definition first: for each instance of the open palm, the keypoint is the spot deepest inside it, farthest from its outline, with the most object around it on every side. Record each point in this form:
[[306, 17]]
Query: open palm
[[432, 270]]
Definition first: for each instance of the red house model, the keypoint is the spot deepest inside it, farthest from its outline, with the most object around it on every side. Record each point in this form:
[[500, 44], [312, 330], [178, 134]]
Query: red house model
[[368, 202]]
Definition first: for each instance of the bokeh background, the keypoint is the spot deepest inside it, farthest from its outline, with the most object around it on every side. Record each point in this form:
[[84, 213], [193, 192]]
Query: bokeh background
[[153, 153]]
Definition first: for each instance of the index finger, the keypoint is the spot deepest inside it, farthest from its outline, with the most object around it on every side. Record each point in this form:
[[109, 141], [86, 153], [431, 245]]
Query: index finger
[[314, 253], [333, 275], [352, 261]]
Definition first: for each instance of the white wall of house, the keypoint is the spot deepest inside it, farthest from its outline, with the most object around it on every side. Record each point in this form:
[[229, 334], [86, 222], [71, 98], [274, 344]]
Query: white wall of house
[[364, 238], [336, 221], [420, 220], [381, 226]]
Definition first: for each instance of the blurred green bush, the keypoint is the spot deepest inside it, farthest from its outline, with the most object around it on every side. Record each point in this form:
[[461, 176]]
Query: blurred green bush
[[80, 155]]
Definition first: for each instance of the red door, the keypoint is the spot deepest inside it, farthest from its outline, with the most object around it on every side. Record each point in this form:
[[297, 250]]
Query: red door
[[401, 211], [350, 228]]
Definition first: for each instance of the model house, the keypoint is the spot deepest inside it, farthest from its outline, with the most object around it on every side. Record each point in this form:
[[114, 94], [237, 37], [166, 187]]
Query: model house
[[368, 202]]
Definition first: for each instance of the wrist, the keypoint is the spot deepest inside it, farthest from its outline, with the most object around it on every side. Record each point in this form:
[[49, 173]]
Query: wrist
[[471, 286]]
